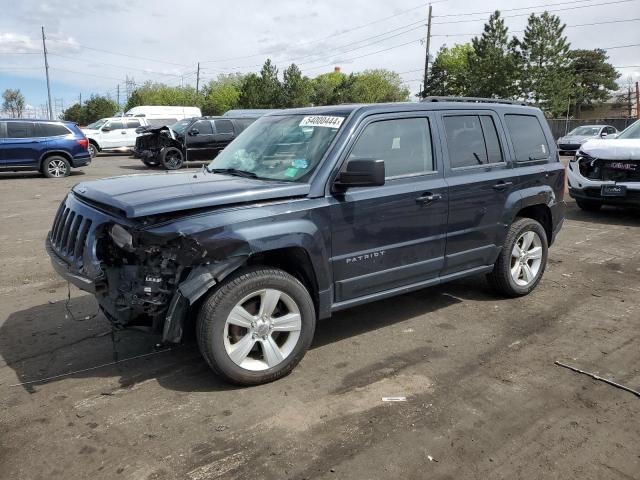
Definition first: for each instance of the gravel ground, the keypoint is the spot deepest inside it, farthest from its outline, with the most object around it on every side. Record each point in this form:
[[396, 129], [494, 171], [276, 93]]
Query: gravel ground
[[484, 399]]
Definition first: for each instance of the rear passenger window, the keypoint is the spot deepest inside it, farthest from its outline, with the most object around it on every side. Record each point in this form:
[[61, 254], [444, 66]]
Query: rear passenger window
[[224, 126], [51, 130], [527, 137], [133, 123], [20, 130], [472, 140], [403, 144]]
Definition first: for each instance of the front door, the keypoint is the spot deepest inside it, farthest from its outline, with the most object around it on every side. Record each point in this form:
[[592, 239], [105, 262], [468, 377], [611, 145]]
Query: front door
[[200, 141], [391, 236], [224, 134], [113, 134], [481, 181], [22, 146]]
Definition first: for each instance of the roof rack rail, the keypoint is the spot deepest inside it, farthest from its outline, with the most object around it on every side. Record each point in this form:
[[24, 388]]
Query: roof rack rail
[[474, 100]]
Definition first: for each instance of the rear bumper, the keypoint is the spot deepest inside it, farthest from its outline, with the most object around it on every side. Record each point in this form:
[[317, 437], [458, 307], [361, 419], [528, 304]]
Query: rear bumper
[[81, 160], [568, 147], [63, 269]]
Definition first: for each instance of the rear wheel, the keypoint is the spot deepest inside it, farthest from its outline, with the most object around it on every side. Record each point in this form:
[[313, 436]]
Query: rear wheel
[[172, 158], [522, 260], [93, 149], [588, 206], [256, 326], [56, 167]]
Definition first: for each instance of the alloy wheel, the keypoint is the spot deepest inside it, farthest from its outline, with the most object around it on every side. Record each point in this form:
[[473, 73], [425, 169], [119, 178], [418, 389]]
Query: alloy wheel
[[57, 168], [526, 258], [262, 330]]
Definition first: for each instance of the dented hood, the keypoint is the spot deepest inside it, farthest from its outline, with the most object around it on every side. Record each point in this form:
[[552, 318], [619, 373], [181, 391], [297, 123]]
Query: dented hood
[[143, 195], [614, 149]]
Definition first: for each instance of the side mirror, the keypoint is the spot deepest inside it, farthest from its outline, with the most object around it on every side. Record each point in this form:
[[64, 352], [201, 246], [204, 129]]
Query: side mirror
[[194, 131], [604, 135], [361, 173], [106, 128]]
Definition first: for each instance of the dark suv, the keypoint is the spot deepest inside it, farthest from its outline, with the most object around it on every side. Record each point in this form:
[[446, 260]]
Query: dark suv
[[191, 139], [51, 147], [311, 211]]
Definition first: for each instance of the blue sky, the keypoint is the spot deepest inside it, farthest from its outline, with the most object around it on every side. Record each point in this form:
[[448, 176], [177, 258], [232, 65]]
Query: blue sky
[[95, 46]]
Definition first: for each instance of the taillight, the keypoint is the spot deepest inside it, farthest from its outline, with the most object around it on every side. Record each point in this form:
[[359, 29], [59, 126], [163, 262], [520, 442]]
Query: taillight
[[84, 143]]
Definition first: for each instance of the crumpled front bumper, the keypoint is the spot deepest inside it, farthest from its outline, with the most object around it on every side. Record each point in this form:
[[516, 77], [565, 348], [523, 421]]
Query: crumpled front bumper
[[65, 270], [581, 188]]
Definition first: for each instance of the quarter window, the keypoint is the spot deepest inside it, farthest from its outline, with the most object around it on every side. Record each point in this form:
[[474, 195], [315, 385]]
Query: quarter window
[[528, 138], [403, 144], [472, 140], [224, 127], [51, 130], [20, 130]]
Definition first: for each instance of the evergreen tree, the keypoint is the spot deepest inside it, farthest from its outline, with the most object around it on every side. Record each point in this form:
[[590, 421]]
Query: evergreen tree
[[593, 78], [297, 89], [449, 74], [493, 67], [546, 78]]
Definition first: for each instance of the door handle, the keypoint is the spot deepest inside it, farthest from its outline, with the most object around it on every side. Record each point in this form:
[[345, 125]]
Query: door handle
[[428, 198], [123, 132], [501, 185]]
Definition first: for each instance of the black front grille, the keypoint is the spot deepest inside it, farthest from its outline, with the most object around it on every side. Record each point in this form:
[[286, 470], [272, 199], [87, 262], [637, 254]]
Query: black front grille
[[610, 170], [69, 234]]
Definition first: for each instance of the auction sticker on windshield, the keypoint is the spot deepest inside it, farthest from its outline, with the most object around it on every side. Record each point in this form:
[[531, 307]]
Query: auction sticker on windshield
[[321, 121]]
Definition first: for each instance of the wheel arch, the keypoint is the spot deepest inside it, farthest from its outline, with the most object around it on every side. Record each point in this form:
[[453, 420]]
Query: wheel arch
[[541, 213], [55, 153]]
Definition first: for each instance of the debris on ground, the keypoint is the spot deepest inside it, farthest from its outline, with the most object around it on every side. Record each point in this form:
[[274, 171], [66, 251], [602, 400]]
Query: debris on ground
[[596, 377], [394, 399]]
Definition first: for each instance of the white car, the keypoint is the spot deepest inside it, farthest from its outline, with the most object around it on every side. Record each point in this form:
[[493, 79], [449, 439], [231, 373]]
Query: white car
[[607, 172], [113, 133]]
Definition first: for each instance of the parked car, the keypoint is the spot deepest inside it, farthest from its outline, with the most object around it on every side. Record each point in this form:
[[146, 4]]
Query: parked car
[[193, 139], [315, 210], [571, 142], [51, 147], [607, 172], [112, 133]]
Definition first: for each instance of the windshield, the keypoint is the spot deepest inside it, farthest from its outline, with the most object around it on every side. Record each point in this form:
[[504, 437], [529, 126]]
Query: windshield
[[281, 147], [181, 126], [632, 131], [586, 131], [97, 124]]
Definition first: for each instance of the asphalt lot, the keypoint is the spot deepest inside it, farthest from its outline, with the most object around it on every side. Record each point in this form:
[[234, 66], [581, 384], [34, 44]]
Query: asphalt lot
[[484, 399]]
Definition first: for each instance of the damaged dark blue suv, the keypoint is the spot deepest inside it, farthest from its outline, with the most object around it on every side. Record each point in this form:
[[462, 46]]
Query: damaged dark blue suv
[[315, 210]]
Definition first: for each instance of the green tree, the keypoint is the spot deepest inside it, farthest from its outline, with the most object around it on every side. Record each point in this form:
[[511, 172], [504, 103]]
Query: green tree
[[493, 67], [262, 91], [98, 107], [449, 73], [546, 79], [75, 113], [331, 88], [593, 78], [376, 86], [222, 94], [160, 94], [13, 102], [297, 90]]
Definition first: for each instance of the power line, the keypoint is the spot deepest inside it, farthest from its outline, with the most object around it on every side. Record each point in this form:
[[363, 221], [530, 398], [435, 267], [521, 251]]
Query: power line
[[131, 56], [529, 13], [125, 67], [464, 14]]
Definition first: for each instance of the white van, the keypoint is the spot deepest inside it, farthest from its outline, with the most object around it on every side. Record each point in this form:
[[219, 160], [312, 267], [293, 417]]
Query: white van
[[164, 112]]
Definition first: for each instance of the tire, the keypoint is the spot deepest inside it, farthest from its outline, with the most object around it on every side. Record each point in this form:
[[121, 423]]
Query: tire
[[171, 158], [56, 167], [588, 206], [218, 339], [93, 149], [509, 276]]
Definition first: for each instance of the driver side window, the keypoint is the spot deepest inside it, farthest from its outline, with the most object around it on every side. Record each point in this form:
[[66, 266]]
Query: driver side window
[[404, 145]]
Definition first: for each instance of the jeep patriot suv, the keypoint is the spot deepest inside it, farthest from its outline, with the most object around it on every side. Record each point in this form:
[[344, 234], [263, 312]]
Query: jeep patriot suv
[[311, 211]]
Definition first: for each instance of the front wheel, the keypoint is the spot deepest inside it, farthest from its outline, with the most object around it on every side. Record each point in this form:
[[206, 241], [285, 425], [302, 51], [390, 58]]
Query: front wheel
[[172, 158], [256, 326], [522, 260], [588, 206]]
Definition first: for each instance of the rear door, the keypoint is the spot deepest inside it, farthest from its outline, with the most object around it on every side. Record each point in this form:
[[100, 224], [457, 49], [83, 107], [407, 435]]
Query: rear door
[[22, 145], [390, 236], [200, 141], [130, 125], [113, 134], [481, 181], [225, 133]]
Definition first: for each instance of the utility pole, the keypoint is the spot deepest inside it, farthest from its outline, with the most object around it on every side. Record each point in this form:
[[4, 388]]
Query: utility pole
[[118, 97], [80, 98], [426, 58], [46, 69], [198, 79], [638, 99]]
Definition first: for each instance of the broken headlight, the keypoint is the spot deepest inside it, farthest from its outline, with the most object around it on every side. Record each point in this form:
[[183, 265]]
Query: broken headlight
[[121, 237]]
